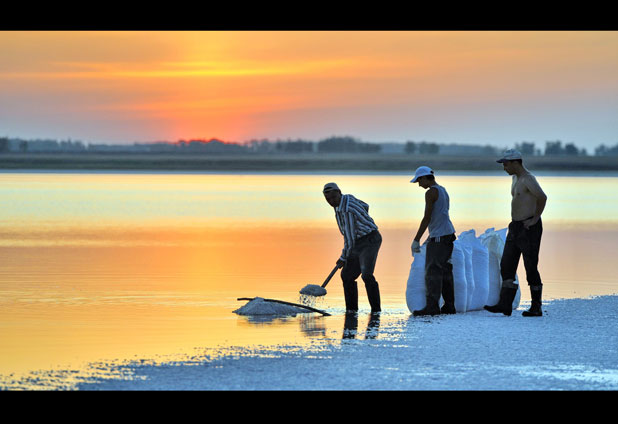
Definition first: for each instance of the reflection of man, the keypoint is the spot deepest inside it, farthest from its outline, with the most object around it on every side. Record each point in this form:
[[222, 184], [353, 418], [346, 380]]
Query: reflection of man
[[361, 245], [523, 238], [438, 267], [350, 326]]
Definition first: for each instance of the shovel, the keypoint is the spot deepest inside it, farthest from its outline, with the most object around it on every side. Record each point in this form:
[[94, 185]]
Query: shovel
[[314, 289]]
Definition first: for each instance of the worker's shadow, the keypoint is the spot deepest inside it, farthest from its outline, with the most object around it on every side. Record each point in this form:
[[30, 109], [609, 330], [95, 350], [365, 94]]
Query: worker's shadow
[[350, 325]]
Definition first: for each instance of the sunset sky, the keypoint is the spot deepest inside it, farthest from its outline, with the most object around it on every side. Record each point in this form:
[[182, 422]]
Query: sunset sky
[[468, 87]]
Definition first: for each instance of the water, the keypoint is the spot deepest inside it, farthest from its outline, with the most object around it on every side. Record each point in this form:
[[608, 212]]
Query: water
[[118, 266]]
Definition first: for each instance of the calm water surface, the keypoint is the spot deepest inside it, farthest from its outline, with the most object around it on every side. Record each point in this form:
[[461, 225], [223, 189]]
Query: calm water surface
[[118, 266]]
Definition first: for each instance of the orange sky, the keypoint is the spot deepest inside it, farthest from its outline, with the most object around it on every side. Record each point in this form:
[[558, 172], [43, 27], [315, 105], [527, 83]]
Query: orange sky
[[451, 87]]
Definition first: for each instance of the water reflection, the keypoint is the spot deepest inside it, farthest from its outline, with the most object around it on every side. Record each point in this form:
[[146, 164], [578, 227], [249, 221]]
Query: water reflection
[[266, 319], [117, 265], [350, 325], [310, 324]]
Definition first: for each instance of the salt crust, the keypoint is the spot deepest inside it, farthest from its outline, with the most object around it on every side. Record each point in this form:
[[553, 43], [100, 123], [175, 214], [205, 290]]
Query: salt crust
[[572, 347], [259, 306]]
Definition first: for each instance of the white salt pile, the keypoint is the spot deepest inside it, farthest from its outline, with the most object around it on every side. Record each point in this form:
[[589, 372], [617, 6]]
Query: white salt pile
[[313, 290], [476, 272], [259, 306]]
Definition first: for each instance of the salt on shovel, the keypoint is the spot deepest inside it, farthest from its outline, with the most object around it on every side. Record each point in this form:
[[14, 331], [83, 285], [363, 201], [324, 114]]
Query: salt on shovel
[[314, 289]]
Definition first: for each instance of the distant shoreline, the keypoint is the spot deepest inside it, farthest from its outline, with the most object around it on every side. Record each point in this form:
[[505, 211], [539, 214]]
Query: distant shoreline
[[290, 162]]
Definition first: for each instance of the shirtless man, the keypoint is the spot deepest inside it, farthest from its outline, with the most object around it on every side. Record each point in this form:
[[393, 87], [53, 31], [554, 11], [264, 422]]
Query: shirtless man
[[523, 238]]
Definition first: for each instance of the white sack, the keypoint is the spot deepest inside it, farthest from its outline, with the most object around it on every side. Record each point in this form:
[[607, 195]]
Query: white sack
[[494, 241], [460, 280], [476, 272], [479, 259], [464, 241], [415, 290]]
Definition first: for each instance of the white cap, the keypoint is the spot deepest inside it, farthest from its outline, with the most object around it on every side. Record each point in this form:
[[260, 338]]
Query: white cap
[[421, 171], [510, 154], [329, 187]]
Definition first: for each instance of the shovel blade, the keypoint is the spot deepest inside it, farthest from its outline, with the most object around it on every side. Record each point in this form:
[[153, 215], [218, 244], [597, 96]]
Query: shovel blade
[[313, 290]]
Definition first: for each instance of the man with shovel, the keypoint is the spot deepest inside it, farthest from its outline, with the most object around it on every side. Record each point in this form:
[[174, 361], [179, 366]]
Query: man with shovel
[[523, 237], [361, 245]]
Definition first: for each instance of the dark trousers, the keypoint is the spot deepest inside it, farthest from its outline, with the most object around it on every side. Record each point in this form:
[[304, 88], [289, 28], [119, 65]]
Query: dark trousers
[[521, 242], [439, 271], [362, 262]]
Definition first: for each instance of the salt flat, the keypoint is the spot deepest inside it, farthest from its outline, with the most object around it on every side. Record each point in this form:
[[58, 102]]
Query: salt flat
[[574, 346]]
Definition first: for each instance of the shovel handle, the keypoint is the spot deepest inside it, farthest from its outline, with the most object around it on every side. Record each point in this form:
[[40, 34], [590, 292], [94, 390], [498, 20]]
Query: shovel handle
[[330, 276]]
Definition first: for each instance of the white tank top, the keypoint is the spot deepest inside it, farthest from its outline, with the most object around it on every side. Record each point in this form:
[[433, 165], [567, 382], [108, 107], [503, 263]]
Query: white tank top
[[440, 224]]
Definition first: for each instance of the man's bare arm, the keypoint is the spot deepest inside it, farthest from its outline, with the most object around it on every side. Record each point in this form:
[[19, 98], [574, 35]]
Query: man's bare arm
[[430, 198], [541, 199]]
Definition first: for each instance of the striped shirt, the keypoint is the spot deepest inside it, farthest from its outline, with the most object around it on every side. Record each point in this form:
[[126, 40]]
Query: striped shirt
[[353, 221]]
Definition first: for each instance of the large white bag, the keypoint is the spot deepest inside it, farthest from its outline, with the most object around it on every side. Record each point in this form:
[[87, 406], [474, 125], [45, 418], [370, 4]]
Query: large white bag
[[479, 260], [416, 290], [494, 241], [476, 272], [460, 278], [466, 247]]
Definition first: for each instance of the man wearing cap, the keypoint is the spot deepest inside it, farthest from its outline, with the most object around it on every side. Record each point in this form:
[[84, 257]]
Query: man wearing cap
[[361, 245], [523, 237], [438, 267]]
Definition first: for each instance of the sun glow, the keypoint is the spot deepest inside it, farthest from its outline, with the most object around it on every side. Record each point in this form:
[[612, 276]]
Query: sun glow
[[241, 85]]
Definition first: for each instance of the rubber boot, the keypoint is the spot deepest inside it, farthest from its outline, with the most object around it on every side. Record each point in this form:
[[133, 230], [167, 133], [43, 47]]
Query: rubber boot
[[373, 295], [433, 300], [350, 293], [430, 309], [350, 325], [448, 294], [505, 304], [448, 308], [535, 307]]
